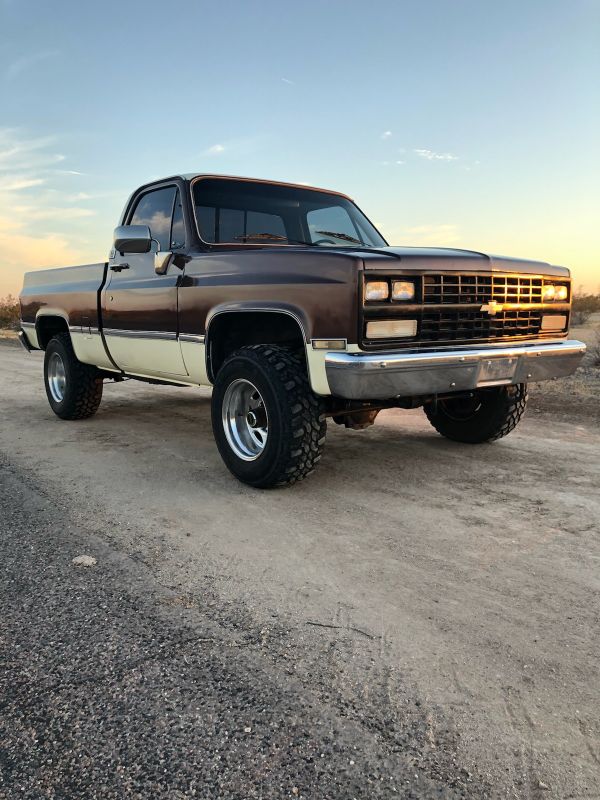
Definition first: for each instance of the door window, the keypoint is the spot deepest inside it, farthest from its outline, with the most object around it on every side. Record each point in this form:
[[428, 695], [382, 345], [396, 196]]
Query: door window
[[155, 209], [178, 227]]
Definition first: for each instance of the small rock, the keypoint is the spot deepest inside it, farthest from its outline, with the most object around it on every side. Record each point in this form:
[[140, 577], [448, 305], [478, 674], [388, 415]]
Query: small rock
[[84, 561], [247, 730], [295, 790], [542, 785]]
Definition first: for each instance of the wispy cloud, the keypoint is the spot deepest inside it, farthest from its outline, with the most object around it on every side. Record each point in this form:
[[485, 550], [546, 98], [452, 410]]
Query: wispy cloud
[[287, 80], [13, 183], [386, 135], [53, 213], [34, 209], [215, 150], [27, 62], [431, 155]]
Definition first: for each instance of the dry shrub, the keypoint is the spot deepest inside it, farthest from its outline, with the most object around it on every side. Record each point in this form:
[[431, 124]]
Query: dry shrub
[[584, 305], [9, 312], [595, 351]]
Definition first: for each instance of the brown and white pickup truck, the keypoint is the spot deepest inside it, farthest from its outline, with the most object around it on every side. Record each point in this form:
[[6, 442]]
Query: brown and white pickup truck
[[290, 303]]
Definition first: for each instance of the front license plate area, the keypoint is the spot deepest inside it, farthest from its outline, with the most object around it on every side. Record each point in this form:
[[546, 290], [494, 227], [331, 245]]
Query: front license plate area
[[496, 371]]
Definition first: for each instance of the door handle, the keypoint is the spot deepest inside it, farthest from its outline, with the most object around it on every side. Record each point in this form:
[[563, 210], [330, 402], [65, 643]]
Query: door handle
[[119, 267]]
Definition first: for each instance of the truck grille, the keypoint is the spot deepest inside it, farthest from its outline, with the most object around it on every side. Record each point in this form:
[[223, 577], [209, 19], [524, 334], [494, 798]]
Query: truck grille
[[454, 309], [458, 289], [462, 325]]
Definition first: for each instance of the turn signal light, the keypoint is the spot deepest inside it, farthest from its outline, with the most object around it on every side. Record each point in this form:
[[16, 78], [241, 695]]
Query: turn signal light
[[391, 328]]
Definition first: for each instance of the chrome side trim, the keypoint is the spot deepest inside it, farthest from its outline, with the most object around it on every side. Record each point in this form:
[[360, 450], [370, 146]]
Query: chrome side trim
[[130, 334], [27, 324], [83, 329], [191, 337], [379, 376]]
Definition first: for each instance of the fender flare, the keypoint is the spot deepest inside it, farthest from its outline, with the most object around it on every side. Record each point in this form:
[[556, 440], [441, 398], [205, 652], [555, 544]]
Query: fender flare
[[257, 307]]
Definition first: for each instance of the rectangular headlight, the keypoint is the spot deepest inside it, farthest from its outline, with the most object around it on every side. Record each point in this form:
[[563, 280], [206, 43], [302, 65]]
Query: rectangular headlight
[[377, 290], [391, 328], [403, 290], [554, 291]]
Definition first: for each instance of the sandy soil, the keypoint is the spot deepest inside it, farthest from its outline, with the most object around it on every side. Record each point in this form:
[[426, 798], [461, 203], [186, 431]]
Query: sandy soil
[[579, 395], [407, 566]]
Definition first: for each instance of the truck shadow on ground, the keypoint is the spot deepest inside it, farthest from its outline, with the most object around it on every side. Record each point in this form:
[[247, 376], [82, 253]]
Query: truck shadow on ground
[[401, 443]]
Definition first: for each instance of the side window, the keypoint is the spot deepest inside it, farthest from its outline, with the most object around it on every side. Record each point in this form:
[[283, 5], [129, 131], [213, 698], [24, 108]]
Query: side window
[[155, 209], [178, 227], [332, 222]]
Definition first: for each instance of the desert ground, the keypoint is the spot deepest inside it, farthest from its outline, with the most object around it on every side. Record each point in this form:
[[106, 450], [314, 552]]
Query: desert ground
[[417, 619]]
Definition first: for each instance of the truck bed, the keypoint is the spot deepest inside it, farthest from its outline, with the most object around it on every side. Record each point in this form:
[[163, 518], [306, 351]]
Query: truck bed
[[70, 292]]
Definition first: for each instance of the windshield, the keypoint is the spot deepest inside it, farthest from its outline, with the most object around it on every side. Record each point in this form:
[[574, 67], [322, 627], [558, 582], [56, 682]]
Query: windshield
[[251, 212]]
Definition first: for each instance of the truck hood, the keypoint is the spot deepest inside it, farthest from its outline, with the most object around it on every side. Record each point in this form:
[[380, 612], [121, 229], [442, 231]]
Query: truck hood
[[439, 259]]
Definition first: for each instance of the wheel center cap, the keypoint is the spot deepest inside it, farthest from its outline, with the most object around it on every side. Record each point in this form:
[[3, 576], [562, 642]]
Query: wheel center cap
[[251, 419]]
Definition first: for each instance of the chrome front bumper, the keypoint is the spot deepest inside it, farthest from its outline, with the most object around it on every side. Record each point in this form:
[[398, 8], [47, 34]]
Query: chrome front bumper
[[382, 376]]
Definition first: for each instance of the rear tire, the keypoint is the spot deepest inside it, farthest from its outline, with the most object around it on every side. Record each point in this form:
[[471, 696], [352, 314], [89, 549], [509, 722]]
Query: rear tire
[[74, 389], [488, 415], [268, 424]]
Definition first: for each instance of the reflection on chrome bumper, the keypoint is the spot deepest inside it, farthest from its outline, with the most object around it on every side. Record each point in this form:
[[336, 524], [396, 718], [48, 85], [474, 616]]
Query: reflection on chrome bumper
[[381, 376]]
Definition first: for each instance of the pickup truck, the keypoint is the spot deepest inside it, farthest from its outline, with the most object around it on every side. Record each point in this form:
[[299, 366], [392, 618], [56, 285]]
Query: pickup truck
[[289, 302]]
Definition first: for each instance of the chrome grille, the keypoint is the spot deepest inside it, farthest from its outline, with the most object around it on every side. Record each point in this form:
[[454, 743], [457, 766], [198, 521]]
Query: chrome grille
[[459, 289], [459, 325]]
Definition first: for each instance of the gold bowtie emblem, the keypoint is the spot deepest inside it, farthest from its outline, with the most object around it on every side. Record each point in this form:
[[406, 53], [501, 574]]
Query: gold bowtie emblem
[[492, 307]]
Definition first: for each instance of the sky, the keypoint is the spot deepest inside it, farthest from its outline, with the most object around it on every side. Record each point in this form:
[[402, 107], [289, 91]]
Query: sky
[[460, 123]]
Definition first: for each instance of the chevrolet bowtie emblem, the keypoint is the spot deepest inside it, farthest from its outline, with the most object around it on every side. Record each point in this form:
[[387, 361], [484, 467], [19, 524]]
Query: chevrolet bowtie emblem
[[492, 307]]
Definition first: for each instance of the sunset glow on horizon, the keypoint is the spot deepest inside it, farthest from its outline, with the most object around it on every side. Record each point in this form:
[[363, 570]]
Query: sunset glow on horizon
[[473, 125]]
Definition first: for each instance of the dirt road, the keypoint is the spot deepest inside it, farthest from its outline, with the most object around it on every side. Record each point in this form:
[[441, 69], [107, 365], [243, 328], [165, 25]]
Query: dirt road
[[412, 585]]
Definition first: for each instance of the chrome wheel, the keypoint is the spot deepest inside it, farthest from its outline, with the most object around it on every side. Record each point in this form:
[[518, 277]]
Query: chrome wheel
[[245, 419], [57, 377]]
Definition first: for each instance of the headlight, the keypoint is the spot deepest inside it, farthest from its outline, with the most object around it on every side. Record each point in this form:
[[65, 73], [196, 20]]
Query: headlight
[[403, 290], [377, 290], [562, 292], [554, 292]]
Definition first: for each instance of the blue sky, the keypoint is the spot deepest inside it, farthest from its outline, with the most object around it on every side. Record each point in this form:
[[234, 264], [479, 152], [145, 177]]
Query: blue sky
[[451, 122]]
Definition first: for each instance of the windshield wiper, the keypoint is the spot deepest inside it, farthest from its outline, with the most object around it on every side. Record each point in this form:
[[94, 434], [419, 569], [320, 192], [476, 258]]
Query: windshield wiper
[[267, 237], [343, 236]]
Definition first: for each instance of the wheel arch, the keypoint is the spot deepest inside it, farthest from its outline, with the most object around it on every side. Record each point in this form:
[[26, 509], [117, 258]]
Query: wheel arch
[[229, 328], [48, 323]]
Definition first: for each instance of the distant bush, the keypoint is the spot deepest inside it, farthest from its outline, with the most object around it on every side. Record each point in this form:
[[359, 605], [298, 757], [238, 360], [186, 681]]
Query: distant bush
[[584, 305], [9, 312], [595, 351]]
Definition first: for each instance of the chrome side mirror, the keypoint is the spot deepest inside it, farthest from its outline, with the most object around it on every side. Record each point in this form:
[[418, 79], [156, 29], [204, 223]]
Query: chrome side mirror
[[132, 239], [162, 259]]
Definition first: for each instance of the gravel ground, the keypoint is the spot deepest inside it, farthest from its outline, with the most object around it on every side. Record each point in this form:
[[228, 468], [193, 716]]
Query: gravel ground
[[424, 609], [111, 686]]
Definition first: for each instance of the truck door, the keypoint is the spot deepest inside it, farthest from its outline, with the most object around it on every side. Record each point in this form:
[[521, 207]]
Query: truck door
[[139, 307]]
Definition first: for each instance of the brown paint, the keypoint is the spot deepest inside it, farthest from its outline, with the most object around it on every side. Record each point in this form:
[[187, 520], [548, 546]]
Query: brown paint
[[321, 287]]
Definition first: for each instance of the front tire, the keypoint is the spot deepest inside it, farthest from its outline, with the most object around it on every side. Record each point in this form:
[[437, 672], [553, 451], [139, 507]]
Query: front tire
[[74, 389], [268, 424], [486, 415]]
